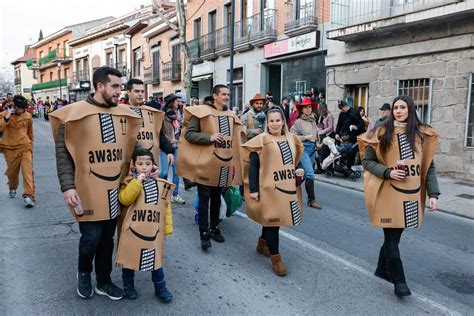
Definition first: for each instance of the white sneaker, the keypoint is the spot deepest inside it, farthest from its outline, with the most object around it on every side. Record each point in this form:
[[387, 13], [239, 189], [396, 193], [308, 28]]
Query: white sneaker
[[12, 194], [28, 202], [177, 199]]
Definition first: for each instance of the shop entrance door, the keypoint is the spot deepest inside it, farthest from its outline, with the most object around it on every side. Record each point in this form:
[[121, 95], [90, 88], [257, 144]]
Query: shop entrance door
[[274, 81]]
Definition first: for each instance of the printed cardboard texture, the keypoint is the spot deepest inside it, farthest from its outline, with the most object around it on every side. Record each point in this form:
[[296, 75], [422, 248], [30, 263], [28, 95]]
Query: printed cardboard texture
[[101, 142], [142, 228], [149, 134], [399, 204], [216, 165], [280, 201]]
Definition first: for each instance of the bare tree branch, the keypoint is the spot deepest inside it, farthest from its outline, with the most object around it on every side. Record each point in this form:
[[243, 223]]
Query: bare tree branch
[[157, 10]]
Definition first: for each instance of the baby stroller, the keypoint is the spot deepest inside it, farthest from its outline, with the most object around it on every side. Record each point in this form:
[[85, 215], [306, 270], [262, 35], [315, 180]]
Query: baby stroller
[[342, 163]]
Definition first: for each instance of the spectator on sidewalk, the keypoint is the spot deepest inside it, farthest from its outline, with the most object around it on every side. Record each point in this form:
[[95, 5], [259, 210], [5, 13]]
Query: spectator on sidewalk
[[385, 111], [349, 122], [17, 146], [254, 119]]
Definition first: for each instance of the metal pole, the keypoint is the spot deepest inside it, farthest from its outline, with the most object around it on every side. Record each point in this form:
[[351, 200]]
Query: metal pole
[[60, 89], [231, 75]]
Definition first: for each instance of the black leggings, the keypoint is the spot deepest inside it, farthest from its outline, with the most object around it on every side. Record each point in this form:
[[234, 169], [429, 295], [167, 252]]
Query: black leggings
[[392, 253], [271, 236]]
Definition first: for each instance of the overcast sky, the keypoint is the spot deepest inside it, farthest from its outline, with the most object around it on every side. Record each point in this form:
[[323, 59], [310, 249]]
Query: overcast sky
[[21, 20]]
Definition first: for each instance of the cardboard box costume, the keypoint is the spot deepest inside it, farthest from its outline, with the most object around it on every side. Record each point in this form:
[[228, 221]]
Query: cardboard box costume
[[399, 204], [280, 201], [212, 164], [142, 228], [100, 141], [149, 134]]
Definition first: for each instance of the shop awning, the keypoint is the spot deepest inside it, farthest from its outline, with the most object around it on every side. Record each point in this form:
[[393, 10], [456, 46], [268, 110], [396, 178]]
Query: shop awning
[[203, 77]]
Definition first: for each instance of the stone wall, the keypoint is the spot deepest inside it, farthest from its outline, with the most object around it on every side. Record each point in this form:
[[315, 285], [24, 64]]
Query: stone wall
[[449, 72]]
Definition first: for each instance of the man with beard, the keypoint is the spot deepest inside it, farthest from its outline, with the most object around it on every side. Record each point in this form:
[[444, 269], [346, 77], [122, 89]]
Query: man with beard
[[95, 140], [17, 146], [254, 119], [151, 135]]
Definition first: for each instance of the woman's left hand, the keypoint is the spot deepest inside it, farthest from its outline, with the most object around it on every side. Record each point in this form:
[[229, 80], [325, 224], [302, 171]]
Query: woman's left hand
[[433, 204], [299, 172]]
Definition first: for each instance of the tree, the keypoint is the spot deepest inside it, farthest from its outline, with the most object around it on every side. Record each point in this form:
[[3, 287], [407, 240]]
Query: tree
[[6, 82], [179, 28]]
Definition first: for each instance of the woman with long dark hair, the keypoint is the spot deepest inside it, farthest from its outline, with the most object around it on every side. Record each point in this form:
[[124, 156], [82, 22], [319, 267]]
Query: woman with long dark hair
[[400, 173]]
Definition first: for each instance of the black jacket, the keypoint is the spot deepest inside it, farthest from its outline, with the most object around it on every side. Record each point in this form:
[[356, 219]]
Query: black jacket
[[346, 119]]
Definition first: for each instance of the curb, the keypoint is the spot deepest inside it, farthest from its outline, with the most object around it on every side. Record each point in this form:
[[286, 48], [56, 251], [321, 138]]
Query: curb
[[362, 190]]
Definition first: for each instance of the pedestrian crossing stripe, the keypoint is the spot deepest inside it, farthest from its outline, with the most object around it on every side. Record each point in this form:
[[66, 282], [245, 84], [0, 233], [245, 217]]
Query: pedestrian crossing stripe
[[147, 259], [113, 203], [224, 125], [107, 128], [151, 192], [295, 212], [224, 176], [404, 147], [410, 209], [285, 151]]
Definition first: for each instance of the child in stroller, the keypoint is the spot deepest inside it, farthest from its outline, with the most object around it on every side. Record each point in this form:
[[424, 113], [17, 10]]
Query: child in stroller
[[341, 159]]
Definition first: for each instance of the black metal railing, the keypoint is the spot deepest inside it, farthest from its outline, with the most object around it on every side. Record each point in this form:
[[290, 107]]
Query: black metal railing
[[155, 74], [121, 66], [17, 81], [263, 24], [300, 16], [223, 38], [81, 75], [172, 71]]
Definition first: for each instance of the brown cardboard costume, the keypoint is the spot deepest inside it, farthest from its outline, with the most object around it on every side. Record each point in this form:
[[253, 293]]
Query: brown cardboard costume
[[142, 230], [212, 164], [149, 134], [280, 201], [399, 204], [100, 141]]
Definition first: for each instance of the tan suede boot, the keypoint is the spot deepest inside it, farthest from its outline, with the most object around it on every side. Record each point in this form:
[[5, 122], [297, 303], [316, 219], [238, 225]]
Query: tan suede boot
[[278, 266], [262, 248]]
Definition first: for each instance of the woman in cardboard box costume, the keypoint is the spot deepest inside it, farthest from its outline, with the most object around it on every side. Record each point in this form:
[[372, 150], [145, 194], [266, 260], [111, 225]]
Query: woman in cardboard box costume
[[272, 194], [398, 159]]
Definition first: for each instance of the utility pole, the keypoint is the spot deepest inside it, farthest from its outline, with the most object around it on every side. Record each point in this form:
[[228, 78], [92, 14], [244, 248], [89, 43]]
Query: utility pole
[[231, 75]]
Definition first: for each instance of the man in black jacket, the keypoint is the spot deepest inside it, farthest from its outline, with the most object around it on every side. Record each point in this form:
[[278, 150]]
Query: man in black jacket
[[349, 122]]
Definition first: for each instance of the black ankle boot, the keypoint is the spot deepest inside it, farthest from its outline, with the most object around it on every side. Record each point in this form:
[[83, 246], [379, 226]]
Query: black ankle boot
[[205, 240], [401, 289], [162, 293], [216, 234], [382, 270], [129, 290]]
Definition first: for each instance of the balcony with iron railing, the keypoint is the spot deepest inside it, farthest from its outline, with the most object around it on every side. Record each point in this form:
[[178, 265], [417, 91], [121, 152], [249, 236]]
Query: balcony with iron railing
[[352, 18], [300, 19], [81, 75], [263, 27], [223, 41], [120, 66], [151, 75], [59, 55], [172, 71], [17, 81]]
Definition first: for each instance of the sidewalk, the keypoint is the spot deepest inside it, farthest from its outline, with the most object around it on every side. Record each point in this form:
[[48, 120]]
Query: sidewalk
[[457, 196]]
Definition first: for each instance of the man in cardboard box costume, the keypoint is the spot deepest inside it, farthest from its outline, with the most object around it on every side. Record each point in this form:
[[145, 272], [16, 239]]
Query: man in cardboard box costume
[[400, 173], [208, 154], [95, 140]]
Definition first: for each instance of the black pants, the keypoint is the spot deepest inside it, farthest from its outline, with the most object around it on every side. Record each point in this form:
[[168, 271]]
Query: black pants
[[206, 194], [392, 253], [97, 241], [272, 237]]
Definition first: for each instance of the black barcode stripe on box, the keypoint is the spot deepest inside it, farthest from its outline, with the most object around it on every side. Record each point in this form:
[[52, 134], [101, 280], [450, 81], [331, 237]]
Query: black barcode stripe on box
[[404, 146], [295, 212], [224, 125], [151, 192], [224, 176], [285, 151], [139, 113], [107, 128], [147, 260], [410, 208], [113, 203]]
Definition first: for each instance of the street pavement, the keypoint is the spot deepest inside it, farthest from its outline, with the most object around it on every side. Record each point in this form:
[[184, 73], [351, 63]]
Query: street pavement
[[330, 257]]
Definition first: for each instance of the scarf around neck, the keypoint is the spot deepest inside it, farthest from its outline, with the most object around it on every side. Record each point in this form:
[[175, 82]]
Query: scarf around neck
[[309, 118]]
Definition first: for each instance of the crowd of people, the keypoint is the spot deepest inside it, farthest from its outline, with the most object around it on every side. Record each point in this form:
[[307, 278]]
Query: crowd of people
[[113, 159]]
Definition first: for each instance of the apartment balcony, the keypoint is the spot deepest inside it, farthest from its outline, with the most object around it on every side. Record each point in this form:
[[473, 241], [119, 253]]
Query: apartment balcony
[[242, 36], [356, 19], [151, 75], [80, 80], [59, 55], [120, 66], [172, 71], [263, 27], [50, 84], [208, 46], [17, 81], [300, 19], [223, 41]]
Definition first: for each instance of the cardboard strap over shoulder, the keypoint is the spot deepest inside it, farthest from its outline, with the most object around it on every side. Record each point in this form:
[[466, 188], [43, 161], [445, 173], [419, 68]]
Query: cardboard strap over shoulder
[[206, 110]]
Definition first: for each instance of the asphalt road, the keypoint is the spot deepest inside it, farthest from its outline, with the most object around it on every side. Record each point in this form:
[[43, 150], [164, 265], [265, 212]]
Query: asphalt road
[[330, 257]]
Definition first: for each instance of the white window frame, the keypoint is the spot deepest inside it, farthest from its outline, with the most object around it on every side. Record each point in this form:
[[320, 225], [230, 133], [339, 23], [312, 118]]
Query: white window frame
[[469, 101], [430, 87]]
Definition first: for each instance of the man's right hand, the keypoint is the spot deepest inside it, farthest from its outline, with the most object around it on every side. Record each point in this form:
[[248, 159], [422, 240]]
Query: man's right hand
[[217, 138], [9, 113], [71, 197]]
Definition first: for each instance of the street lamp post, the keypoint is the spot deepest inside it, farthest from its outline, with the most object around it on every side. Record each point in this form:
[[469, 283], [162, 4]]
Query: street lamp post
[[59, 75], [116, 44]]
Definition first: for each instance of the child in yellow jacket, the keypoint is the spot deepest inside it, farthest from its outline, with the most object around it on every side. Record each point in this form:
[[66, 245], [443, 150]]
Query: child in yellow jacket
[[142, 168]]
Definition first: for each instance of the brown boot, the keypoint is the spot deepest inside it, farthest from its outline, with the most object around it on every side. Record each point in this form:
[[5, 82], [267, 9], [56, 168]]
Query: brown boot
[[278, 265], [309, 185], [262, 248]]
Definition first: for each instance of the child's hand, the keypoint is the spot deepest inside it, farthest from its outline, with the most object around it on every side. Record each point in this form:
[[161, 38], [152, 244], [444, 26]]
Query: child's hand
[[141, 177]]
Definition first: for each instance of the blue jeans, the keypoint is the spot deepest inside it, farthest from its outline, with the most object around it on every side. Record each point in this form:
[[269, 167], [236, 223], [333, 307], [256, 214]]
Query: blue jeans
[[164, 168], [308, 158]]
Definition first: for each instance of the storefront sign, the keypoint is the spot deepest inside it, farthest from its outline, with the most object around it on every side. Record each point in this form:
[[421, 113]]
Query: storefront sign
[[203, 69], [292, 45]]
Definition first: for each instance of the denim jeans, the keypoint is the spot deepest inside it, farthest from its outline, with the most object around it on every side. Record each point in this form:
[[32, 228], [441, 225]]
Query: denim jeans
[[308, 158], [164, 169], [157, 275], [97, 244]]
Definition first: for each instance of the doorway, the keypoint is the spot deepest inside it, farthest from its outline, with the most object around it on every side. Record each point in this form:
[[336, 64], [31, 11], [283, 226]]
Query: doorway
[[274, 81]]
